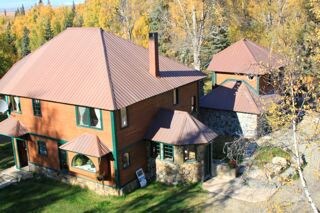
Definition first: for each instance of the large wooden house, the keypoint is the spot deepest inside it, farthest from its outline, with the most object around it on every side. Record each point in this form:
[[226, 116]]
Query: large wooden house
[[91, 108], [243, 87]]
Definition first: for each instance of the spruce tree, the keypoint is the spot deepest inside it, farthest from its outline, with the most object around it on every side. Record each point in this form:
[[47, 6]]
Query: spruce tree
[[17, 12], [25, 43], [48, 33], [22, 11], [217, 41]]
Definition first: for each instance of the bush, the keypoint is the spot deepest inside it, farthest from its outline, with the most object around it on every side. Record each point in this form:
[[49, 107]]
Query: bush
[[265, 154]]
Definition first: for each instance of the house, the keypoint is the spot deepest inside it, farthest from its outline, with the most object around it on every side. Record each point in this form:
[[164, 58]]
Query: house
[[90, 108], [242, 89]]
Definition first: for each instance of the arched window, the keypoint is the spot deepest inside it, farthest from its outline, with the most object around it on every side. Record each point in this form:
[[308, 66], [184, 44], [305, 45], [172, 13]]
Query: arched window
[[83, 162]]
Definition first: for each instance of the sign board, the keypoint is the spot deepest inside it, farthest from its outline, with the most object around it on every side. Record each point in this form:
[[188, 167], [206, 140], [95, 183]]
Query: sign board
[[141, 178]]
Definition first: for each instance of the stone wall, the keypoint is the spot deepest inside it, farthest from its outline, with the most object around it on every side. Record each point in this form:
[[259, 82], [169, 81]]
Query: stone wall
[[95, 186], [230, 123], [180, 171], [172, 173]]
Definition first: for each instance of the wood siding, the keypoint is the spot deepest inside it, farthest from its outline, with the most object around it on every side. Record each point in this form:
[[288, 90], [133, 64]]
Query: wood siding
[[140, 115], [221, 77], [57, 121], [51, 160]]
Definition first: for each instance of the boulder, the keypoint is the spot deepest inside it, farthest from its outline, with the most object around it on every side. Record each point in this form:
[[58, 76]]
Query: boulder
[[280, 161]]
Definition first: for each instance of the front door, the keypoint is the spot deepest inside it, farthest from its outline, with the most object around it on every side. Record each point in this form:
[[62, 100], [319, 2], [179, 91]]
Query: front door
[[208, 162], [22, 152]]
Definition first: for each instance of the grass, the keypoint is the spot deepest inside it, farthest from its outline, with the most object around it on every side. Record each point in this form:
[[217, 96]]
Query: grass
[[265, 154], [6, 153], [46, 195]]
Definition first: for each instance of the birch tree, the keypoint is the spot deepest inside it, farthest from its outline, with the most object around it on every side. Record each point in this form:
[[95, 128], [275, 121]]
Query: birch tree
[[193, 20]]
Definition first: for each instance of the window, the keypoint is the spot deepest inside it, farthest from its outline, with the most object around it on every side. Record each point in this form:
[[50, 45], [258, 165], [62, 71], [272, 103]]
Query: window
[[15, 104], [189, 153], [89, 117], [167, 152], [124, 118], [125, 160], [193, 103], [175, 97], [162, 151], [36, 107], [83, 162], [42, 148]]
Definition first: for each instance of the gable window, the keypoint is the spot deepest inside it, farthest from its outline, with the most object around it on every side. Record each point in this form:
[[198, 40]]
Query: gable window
[[124, 117], [193, 103], [42, 148], [89, 117], [162, 151], [36, 107], [175, 96], [189, 153], [125, 160], [15, 104]]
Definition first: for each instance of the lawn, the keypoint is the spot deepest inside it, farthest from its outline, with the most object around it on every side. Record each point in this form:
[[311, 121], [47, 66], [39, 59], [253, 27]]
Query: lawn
[[6, 153], [46, 195]]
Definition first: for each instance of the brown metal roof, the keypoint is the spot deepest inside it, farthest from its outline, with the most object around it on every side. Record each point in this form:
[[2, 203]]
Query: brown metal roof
[[12, 127], [90, 67], [232, 96], [245, 57], [86, 144], [178, 128]]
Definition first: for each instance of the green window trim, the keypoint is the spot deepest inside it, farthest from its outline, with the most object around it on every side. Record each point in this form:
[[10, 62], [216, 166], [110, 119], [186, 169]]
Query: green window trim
[[126, 161], [36, 105], [89, 120], [164, 151], [42, 148], [214, 79], [114, 148]]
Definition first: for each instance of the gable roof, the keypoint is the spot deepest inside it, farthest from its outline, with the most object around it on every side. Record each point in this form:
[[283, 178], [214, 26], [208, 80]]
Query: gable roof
[[87, 144], [178, 128], [90, 67], [12, 127], [245, 57], [232, 96]]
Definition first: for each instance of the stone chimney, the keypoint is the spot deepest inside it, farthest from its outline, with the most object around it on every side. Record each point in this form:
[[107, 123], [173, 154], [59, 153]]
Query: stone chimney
[[153, 55]]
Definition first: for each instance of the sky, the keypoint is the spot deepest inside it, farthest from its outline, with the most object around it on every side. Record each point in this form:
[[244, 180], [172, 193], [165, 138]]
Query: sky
[[11, 5]]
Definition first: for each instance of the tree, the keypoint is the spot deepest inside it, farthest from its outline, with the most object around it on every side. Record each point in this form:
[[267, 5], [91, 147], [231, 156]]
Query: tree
[[215, 42], [22, 11], [193, 20], [25, 44], [48, 33], [5, 12]]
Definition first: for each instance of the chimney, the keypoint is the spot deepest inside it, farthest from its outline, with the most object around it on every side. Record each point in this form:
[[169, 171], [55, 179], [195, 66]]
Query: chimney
[[153, 55]]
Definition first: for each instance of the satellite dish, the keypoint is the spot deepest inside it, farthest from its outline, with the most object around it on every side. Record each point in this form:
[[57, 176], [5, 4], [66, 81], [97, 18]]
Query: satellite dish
[[3, 106]]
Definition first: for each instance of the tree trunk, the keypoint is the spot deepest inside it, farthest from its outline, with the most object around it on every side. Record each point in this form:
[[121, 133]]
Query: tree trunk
[[297, 155]]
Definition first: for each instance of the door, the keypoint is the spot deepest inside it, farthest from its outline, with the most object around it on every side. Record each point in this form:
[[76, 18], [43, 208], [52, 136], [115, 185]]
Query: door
[[208, 162], [22, 152]]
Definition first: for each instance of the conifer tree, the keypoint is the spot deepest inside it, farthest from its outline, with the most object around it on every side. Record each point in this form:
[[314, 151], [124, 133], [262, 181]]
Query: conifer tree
[[48, 33], [22, 11], [25, 44]]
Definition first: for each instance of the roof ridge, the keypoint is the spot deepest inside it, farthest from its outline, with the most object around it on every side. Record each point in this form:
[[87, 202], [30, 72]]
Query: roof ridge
[[250, 51], [252, 98], [181, 128], [108, 68]]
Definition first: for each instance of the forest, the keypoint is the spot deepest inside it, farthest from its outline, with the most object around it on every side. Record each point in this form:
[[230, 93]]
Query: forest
[[190, 31]]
